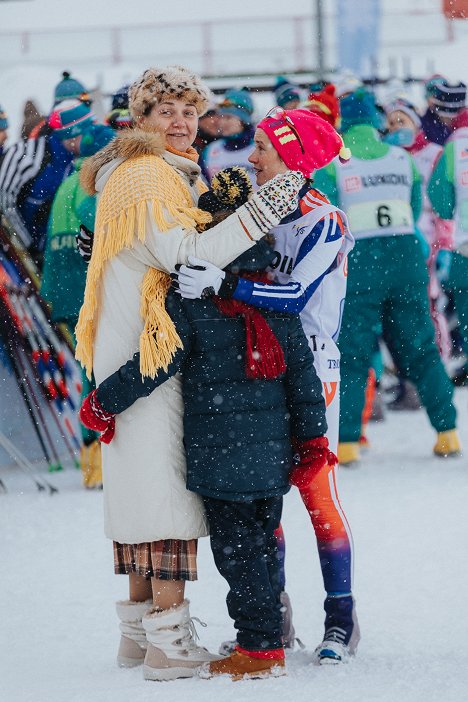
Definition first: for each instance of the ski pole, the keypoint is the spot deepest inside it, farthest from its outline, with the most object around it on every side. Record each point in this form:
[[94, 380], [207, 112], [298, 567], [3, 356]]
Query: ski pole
[[23, 463], [19, 373]]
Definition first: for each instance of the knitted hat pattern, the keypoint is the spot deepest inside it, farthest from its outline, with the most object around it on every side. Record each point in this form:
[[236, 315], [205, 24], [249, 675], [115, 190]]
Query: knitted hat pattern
[[3, 119], [304, 141], [68, 88], [169, 82], [448, 99], [325, 104], [405, 106], [431, 84], [239, 104], [70, 118], [285, 91]]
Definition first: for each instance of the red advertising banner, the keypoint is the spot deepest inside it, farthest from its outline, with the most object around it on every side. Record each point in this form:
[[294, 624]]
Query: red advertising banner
[[455, 9]]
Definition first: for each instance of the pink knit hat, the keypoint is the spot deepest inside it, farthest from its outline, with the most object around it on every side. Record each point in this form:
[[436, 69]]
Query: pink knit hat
[[304, 141]]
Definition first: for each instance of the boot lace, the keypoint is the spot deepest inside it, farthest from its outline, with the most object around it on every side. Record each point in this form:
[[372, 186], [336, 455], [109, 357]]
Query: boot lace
[[191, 637]]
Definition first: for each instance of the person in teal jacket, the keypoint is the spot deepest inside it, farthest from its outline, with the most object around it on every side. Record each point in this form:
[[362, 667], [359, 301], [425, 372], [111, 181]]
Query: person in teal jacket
[[448, 193], [64, 273], [380, 191]]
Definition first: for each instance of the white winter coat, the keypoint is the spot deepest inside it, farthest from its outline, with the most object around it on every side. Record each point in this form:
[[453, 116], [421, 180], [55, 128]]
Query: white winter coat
[[145, 498]]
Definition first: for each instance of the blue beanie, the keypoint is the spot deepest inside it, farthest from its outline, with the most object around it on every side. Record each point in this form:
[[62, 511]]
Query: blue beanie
[[359, 108], [285, 91], [3, 120], [70, 118], [68, 88], [238, 103], [95, 138]]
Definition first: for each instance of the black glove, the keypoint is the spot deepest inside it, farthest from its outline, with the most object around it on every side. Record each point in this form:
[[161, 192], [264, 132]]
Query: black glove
[[84, 242]]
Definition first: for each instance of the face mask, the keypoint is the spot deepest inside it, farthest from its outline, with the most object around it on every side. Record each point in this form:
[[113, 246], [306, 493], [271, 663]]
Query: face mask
[[402, 137]]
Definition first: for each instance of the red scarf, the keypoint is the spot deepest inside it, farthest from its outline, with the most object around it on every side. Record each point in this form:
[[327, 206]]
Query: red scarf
[[264, 356]]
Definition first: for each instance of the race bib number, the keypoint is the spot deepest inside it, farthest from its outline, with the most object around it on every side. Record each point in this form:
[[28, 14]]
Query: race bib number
[[394, 215]]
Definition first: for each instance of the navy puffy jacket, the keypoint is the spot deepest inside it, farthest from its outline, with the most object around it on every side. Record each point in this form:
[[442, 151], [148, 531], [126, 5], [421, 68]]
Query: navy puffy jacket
[[237, 431]]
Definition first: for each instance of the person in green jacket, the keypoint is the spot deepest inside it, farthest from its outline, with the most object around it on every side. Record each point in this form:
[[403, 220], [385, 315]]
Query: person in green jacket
[[64, 274], [380, 191], [448, 192]]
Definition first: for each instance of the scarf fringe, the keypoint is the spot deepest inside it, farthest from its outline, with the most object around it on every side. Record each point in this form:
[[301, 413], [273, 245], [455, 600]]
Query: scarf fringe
[[159, 339]]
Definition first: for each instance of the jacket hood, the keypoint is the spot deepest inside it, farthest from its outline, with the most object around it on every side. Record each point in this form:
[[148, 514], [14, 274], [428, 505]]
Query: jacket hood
[[257, 258], [130, 143]]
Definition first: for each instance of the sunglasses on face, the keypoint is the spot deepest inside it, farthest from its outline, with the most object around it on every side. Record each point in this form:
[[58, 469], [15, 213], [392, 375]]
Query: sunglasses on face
[[279, 114]]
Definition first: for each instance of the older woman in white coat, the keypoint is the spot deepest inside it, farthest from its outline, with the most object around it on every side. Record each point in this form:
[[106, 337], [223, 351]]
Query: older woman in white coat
[[147, 221]]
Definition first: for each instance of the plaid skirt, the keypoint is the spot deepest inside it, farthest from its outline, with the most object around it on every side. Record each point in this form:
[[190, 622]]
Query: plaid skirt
[[170, 559]]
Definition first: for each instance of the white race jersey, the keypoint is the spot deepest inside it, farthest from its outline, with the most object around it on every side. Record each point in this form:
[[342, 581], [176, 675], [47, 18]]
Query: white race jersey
[[310, 268], [376, 194]]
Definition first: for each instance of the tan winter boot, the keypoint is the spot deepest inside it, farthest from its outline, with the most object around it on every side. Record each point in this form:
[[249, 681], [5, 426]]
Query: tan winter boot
[[240, 665], [172, 649], [133, 642], [348, 453], [91, 465]]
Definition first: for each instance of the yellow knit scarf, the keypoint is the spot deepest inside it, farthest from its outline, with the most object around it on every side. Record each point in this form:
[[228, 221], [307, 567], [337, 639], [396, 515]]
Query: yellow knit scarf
[[138, 183]]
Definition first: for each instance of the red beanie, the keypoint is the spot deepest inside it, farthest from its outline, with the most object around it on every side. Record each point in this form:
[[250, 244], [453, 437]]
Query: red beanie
[[304, 141], [325, 104]]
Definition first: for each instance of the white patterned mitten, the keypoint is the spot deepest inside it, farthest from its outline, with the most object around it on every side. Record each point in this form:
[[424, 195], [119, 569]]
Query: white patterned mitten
[[274, 200]]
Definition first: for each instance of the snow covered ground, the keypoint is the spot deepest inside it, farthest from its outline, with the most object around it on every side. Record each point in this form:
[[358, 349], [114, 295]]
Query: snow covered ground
[[408, 513]]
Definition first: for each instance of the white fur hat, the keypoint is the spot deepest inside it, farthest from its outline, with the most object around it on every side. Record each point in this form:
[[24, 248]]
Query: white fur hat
[[170, 81]]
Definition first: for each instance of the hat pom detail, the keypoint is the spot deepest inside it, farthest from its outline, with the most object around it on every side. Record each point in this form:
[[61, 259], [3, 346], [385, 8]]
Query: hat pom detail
[[344, 154]]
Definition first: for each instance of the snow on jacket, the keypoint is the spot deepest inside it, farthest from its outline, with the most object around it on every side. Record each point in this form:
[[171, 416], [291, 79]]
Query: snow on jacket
[[145, 498], [237, 431]]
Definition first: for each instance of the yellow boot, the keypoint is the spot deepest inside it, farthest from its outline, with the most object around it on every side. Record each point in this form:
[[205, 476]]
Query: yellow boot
[[348, 453], [91, 466], [447, 444]]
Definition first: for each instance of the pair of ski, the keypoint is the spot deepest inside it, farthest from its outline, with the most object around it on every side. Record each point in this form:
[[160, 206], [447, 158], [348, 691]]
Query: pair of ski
[[41, 362]]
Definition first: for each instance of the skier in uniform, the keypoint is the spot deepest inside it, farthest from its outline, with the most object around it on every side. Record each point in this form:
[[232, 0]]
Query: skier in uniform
[[380, 191], [405, 130], [309, 274], [448, 193]]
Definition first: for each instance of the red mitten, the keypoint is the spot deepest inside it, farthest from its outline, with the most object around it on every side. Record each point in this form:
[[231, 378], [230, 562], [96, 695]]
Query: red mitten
[[313, 456], [94, 416]]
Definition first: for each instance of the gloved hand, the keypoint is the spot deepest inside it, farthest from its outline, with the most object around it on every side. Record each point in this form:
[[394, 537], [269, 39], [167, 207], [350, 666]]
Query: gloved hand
[[313, 455], [200, 279], [274, 200], [84, 242], [443, 265], [94, 416]]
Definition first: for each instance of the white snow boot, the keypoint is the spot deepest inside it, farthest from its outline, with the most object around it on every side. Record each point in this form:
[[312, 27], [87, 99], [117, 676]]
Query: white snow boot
[[172, 649], [133, 642], [342, 633], [332, 653]]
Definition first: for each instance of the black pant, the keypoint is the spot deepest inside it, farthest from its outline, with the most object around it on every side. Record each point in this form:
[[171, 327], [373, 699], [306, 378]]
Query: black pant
[[245, 553]]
